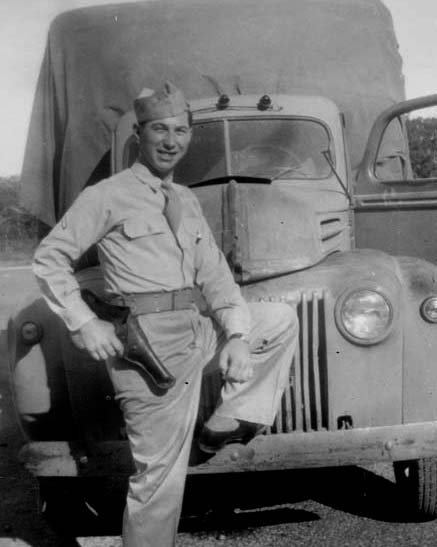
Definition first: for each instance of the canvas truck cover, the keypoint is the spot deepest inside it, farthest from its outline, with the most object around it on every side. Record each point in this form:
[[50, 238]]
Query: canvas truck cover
[[98, 59]]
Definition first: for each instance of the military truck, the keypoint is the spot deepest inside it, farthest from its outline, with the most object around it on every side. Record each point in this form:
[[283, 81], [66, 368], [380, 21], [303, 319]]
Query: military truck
[[306, 212]]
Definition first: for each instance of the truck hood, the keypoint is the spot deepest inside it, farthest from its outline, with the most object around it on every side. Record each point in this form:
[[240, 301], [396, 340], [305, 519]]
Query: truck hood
[[267, 230]]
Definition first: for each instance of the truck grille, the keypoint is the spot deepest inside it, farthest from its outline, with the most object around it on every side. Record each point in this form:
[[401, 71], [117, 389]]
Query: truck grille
[[304, 406]]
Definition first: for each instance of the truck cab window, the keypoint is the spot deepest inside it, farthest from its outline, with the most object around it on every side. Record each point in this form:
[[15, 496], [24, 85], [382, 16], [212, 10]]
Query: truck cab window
[[268, 147], [393, 156]]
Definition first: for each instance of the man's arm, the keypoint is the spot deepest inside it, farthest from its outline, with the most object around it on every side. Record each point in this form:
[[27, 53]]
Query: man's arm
[[83, 225], [224, 299]]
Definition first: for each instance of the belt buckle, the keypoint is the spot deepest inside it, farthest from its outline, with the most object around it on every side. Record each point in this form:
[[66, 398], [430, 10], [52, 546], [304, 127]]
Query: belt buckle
[[179, 298]]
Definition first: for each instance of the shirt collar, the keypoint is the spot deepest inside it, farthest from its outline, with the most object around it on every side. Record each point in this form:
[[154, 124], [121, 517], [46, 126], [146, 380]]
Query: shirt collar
[[143, 174]]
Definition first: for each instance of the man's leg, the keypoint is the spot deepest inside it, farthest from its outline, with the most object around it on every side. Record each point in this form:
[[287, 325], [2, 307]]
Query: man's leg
[[159, 428], [272, 340]]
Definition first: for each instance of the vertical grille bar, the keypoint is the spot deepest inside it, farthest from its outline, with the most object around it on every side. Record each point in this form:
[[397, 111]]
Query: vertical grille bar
[[287, 403], [305, 363], [279, 420], [298, 406], [315, 360]]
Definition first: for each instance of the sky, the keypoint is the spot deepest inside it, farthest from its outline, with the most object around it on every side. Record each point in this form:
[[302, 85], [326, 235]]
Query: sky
[[23, 31]]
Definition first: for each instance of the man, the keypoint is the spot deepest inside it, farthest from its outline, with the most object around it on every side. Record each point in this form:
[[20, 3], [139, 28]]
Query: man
[[154, 246]]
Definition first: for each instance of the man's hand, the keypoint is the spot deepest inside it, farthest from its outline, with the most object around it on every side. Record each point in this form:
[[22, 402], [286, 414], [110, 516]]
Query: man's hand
[[235, 362], [98, 338]]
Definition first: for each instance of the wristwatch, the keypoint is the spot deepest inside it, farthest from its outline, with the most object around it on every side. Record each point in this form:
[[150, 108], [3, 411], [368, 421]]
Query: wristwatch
[[238, 335]]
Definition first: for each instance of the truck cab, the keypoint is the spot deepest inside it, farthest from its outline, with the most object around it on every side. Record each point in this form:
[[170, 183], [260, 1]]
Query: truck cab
[[269, 174]]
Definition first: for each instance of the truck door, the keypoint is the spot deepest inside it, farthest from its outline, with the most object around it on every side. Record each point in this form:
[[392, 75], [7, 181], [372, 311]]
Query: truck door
[[395, 206]]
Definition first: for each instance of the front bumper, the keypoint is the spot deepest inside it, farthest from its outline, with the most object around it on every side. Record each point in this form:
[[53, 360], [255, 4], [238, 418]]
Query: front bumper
[[267, 452]]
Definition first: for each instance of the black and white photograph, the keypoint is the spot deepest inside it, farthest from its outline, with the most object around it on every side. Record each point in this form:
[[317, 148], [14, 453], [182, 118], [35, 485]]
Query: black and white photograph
[[218, 273]]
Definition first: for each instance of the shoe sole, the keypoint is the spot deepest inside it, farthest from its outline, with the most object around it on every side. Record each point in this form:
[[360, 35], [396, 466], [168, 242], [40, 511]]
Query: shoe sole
[[241, 440], [211, 450]]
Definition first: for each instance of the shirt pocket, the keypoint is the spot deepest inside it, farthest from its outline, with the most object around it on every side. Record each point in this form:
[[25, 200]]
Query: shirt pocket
[[140, 226]]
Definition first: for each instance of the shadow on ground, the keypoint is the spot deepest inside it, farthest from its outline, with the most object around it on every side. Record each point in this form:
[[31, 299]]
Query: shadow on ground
[[262, 499], [232, 504]]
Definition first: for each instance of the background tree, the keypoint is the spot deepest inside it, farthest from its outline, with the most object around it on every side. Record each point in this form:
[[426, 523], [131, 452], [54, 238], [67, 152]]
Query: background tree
[[422, 136]]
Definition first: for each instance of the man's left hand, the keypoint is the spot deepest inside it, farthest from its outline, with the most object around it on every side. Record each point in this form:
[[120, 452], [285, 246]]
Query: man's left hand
[[235, 362]]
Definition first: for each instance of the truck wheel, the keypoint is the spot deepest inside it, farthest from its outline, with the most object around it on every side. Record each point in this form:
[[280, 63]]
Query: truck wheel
[[79, 505], [417, 480]]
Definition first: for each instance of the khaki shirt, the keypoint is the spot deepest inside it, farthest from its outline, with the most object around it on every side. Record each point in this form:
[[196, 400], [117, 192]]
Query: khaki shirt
[[138, 252]]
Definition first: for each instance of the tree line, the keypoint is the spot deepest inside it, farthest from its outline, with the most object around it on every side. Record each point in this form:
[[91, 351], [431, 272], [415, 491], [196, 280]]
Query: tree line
[[422, 137], [18, 229]]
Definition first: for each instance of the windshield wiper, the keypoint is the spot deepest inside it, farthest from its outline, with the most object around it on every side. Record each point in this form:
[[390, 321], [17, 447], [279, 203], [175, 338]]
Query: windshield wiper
[[228, 178]]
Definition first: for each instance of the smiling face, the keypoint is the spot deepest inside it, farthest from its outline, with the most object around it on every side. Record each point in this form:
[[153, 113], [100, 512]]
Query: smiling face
[[163, 143]]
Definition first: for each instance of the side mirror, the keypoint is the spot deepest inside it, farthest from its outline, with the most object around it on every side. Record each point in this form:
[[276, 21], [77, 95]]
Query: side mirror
[[402, 145]]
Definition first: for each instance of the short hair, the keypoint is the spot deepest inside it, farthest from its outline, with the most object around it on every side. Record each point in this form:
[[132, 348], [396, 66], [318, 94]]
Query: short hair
[[189, 116]]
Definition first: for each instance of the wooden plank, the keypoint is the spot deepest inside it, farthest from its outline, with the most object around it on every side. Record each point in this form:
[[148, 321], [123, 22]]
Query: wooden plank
[[282, 451]]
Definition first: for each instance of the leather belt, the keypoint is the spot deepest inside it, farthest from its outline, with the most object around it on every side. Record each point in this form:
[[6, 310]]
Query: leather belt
[[155, 302]]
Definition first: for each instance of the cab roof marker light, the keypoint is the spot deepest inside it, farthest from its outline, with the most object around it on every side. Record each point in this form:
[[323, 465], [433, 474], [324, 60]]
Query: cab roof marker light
[[264, 103], [428, 309], [223, 102]]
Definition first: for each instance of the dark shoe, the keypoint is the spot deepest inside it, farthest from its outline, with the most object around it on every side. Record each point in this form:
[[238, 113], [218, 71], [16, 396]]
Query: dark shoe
[[212, 441]]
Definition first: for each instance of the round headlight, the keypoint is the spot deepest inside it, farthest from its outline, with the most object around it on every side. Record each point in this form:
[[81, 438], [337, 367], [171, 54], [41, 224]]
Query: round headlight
[[428, 309], [364, 316]]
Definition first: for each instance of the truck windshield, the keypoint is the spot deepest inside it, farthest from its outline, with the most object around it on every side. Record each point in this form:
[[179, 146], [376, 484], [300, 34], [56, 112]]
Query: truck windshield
[[283, 148]]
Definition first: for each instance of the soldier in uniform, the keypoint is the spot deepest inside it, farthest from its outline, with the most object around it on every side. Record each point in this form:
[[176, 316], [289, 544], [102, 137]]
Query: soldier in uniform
[[155, 246]]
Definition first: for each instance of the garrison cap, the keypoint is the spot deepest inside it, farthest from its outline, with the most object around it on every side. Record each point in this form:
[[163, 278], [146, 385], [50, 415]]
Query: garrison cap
[[166, 102]]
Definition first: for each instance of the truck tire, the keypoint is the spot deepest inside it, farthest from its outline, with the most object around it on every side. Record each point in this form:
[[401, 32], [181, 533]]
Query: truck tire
[[417, 480], [83, 506]]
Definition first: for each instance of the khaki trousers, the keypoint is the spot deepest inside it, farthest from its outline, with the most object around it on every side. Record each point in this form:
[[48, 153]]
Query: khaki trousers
[[160, 426]]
